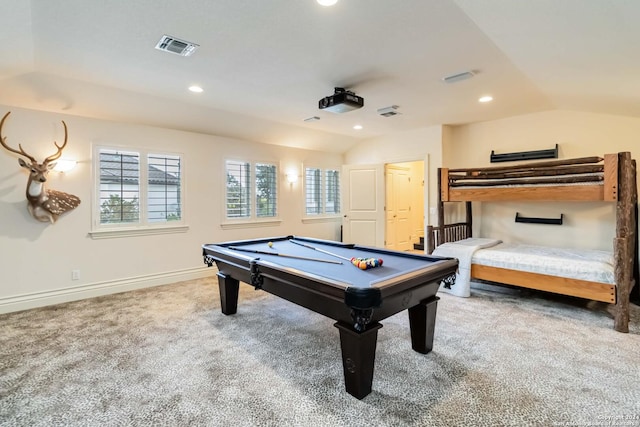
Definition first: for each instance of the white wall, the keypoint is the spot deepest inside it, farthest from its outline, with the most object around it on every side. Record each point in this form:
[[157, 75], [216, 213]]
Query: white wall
[[586, 225], [37, 259], [402, 147]]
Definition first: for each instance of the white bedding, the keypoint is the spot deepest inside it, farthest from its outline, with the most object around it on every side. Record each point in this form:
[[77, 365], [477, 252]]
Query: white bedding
[[463, 250], [583, 264]]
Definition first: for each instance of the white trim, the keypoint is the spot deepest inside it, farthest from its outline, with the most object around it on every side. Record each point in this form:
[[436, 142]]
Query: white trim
[[133, 232], [250, 224], [311, 220], [57, 296]]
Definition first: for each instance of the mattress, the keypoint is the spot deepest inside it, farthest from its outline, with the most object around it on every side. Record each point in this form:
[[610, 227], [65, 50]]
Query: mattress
[[590, 265], [498, 182]]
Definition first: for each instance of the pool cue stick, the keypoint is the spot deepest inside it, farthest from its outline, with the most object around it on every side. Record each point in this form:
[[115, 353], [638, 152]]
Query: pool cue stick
[[255, 251], [320, 250]]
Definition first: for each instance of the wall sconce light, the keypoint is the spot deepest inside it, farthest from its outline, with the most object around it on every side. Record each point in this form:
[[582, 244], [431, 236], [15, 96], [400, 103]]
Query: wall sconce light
[[292, 177], [64, 165]]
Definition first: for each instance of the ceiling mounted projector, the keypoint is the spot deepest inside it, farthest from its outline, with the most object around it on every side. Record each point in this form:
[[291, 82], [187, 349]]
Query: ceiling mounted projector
[[341, 101]]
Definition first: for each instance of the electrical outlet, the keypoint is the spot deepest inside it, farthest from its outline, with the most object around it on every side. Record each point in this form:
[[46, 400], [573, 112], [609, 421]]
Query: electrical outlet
[[75, 274]]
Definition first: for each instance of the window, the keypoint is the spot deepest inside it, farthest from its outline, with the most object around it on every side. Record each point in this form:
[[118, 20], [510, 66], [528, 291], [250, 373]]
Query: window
[[138, 188], [322, 191], [238, 190], [332, 201], [163, 189], [251, 190], [119, 198], [312, 186], [266, 190]]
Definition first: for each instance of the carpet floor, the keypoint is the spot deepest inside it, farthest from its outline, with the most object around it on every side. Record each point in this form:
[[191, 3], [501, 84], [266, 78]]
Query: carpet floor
[[167, 356]]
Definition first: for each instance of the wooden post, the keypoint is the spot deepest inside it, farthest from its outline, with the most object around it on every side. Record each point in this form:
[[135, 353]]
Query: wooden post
[[635, 282], [612, 176], [443, 185], [635, 290], [625, 238], [441, 172], [621, 270], [431, 245], [469, 219]]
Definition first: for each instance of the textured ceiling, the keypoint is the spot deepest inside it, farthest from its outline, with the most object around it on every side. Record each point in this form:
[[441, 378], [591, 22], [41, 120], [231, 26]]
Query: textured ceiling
[[265, 64]]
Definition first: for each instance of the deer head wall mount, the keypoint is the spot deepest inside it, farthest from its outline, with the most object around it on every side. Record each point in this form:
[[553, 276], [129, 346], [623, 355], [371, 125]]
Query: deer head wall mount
[[43, 204]]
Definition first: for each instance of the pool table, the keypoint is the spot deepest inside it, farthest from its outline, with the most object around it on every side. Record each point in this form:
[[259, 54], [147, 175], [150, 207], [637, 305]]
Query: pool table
[[318, 274]]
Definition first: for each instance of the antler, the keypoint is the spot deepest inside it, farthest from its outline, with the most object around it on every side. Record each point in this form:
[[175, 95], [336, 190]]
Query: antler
[[13, 150], [60, 148]]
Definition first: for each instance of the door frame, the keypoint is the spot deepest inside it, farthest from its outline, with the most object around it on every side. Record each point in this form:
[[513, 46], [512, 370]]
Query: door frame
[[425, 189]]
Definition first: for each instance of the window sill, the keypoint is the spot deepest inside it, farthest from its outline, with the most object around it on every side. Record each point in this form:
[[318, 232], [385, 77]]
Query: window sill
[[250, 224], [314, 219], [113, 233]]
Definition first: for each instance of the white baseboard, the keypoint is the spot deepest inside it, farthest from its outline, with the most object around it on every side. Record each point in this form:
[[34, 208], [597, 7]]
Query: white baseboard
[[57, 296]]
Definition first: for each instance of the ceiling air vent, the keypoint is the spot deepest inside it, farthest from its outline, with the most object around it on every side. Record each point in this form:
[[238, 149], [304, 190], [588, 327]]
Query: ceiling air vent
[[388, 111], [457, 77], [174, 45]]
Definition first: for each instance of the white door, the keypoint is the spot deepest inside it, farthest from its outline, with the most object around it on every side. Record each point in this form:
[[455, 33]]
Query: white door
[[363, 202], [398, 207]]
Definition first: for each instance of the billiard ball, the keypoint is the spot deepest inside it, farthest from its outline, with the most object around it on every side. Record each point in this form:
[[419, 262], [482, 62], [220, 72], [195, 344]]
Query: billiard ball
[[270, 244]]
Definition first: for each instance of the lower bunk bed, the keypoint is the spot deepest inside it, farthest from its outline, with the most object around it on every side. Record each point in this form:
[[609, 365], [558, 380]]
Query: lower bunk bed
[[594, 275], [585, 274]]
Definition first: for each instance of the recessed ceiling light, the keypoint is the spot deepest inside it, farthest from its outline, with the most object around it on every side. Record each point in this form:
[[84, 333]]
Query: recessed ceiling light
[[196, 89], [327, 2], [357, 127], [486, 98]]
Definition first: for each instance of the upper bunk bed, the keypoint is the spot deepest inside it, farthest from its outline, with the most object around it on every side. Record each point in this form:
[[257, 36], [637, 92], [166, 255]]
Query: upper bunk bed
[[611, 178], [582, 179]]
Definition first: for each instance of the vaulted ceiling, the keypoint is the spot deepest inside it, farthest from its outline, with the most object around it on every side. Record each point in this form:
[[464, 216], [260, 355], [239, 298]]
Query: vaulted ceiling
[[264, 64]]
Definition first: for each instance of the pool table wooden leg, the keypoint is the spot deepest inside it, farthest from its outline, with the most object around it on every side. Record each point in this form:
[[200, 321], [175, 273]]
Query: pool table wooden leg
[[228, 293], [358, 356], [422, 322]]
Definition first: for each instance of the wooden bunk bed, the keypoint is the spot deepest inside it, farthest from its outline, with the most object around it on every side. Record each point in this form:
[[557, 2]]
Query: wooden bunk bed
[[610, 179]]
